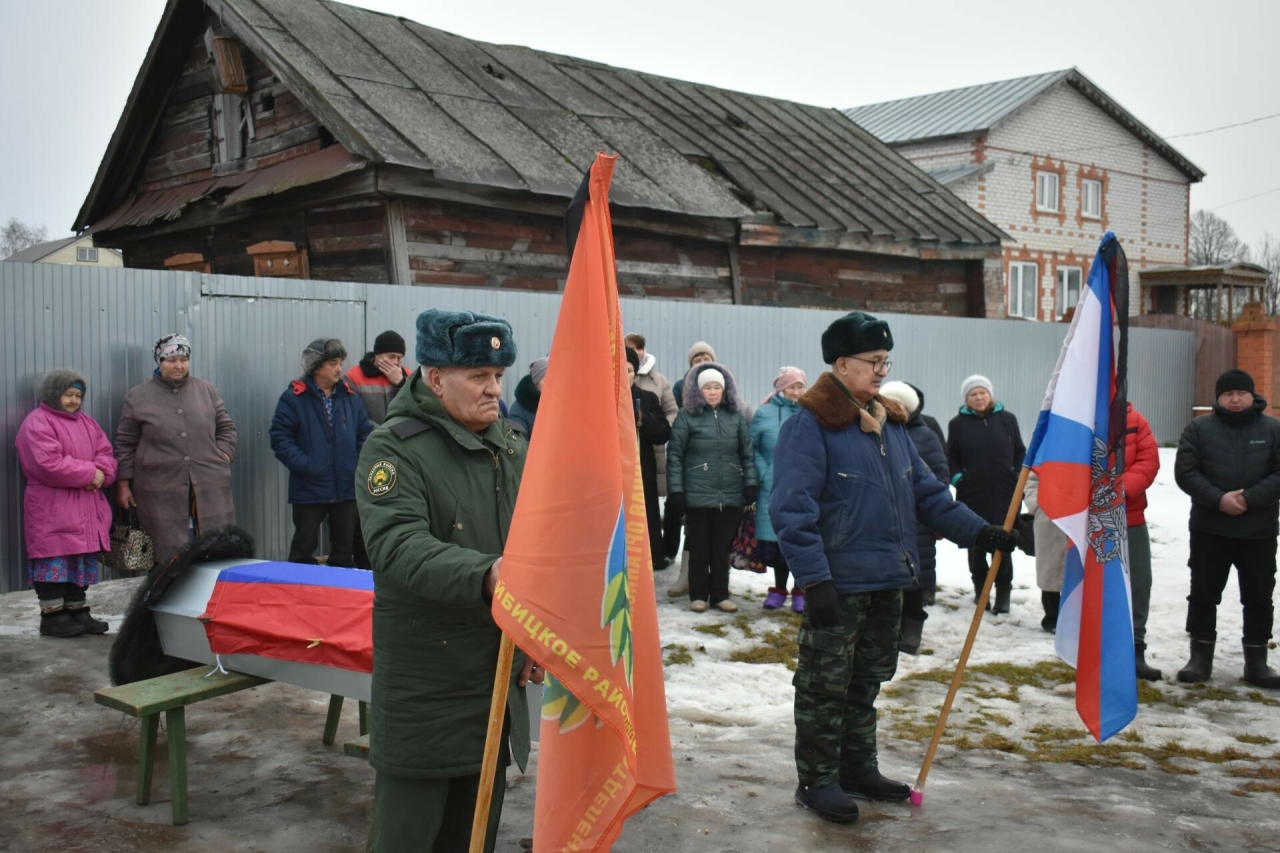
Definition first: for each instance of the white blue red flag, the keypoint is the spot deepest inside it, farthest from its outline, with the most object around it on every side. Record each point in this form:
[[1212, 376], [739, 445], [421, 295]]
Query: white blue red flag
[[1078, 453]]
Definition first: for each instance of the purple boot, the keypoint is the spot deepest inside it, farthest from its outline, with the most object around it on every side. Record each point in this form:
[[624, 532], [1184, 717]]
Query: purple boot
[[775, 599], [797, 600]]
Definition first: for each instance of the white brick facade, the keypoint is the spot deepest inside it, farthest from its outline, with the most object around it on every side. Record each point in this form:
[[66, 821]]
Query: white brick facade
[[1145, 198]]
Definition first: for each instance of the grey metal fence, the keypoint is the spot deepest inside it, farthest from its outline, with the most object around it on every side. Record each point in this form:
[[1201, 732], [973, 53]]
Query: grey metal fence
[[247, 335]]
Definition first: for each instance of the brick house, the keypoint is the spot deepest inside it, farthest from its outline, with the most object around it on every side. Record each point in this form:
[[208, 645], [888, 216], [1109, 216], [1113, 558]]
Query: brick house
[[1054, 162], [320, 140]]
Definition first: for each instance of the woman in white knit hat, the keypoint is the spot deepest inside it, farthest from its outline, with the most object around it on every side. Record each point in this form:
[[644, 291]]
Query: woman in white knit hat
[[985, 451], [711, 476]]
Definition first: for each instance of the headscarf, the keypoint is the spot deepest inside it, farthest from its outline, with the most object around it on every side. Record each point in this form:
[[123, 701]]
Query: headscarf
[[171, 345], [787, 376], [538, 370]]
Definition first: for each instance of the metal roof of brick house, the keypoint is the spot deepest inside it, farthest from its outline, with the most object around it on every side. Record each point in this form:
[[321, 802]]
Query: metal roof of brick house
[[976, 109], [512, 118]]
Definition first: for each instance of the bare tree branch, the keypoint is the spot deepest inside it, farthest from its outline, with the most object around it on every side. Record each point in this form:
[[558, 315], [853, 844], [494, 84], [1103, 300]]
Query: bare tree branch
[[17, 235]]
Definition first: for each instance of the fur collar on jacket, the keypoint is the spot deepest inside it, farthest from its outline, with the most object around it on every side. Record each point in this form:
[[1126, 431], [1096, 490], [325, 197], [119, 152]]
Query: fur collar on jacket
[[836, 411], [692, 394]]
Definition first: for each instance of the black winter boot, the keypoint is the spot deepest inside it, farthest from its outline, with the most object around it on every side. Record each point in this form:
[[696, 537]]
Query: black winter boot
[[912, 630], [1002, 600], [90, 625], [1200, 667], [1256, 671], [873, 786], [930, 596], [1051, 601], [1145, 672], [58, 623], [828, 802]]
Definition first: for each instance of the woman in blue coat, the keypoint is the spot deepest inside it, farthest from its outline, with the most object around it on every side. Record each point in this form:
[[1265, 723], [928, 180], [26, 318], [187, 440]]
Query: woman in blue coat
[[788, 386]]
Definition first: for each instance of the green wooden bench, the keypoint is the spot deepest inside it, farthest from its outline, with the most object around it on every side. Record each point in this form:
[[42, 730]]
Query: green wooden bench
[[335, 715], [170, 694]]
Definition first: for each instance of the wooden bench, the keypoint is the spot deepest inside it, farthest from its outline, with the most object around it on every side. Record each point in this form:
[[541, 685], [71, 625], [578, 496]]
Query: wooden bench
[[335, 714], [170, 694]]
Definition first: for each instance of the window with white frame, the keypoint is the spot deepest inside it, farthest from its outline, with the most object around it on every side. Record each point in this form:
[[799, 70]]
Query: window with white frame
[[1091, 199], [1022, 289], [86, 254], [1069, 282], [1047, 191]]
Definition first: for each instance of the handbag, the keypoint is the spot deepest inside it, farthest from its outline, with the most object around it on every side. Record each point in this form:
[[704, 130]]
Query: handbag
[[132, 549], [745, 552]]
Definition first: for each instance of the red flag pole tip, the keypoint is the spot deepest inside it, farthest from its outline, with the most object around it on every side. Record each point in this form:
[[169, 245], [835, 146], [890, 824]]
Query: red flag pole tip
[[917, 796]]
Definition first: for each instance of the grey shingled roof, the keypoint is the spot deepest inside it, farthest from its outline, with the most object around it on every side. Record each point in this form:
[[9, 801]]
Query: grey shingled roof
[[34, 253], [954, 174], [394, 91], [976, 109]]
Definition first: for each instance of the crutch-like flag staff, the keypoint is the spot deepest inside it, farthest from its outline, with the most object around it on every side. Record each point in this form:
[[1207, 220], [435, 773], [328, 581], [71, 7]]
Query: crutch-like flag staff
[[1077, 451], [576, 591]]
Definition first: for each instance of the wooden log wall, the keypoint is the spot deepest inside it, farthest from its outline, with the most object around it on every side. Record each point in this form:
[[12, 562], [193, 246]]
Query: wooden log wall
[[183, 148]]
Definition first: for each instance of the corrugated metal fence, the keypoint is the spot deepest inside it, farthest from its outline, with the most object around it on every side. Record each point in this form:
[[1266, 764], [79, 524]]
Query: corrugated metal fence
[[247, 335]]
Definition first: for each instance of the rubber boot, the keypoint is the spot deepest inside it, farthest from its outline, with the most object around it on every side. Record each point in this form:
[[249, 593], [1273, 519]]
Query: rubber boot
[[930, 596], [1002, 599], [1051, 601], [873, 786], [681, 586], [828, 802], [90, 625], [1200, 667], [58, 623], [1144, 671], [1256, 671], [912, 631], [797, 600]]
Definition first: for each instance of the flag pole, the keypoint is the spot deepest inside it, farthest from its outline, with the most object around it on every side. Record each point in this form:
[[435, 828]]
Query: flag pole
[[492, 744], [917, 793]]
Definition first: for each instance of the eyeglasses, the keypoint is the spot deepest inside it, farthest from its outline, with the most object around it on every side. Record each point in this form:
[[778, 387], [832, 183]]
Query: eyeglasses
[[877, 364]]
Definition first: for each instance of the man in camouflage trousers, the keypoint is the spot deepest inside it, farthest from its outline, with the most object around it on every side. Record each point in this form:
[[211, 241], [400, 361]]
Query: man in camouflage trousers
[[848, 489]]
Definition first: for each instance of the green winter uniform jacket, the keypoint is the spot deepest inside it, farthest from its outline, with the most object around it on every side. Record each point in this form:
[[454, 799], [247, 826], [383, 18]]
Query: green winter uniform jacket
[[435, 508], [710, 458]]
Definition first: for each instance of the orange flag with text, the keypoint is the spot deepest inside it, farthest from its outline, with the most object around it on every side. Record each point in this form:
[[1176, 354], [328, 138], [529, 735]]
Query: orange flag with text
[[576, 591]]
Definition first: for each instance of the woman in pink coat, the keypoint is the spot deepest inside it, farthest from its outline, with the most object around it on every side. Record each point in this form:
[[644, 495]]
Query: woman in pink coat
[[68, 461]]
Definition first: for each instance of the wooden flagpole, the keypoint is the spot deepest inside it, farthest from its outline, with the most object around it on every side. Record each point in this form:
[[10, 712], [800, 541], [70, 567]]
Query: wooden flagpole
[[917, 793], [492, 744]]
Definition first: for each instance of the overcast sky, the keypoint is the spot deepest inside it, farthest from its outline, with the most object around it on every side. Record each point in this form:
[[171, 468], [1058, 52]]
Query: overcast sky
[[1180, 67]]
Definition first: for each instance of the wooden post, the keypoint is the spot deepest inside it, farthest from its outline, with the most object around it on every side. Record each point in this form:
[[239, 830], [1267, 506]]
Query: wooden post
[[1010, 516], [492, 744], [398, 270]]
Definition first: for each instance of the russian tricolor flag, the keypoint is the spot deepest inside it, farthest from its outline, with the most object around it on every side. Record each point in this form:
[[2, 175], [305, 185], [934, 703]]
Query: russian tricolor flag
[[307, 614], [1078, 452]]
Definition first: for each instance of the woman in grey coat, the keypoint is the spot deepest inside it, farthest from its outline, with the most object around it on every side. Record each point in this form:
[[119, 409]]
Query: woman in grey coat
[[175, 444]]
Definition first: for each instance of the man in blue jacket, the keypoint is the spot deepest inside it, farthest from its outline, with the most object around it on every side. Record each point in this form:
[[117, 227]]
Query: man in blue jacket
[[848, 489], [318, 430]]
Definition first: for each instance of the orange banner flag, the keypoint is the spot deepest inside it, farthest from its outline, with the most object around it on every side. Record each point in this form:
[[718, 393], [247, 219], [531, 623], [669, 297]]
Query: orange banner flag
[[576, 591]]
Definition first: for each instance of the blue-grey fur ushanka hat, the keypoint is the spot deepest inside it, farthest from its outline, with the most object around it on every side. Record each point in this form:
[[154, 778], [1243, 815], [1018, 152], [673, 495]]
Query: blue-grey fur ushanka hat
[[464, 339], [854, 333]]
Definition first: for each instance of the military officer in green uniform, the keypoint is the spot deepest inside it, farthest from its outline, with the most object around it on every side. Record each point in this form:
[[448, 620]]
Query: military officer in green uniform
[[436, 487]]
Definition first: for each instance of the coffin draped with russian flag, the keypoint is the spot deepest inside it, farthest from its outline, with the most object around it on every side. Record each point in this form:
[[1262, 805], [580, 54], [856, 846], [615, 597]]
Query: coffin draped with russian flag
[[305, 614], [576, 588], [1077, 451]]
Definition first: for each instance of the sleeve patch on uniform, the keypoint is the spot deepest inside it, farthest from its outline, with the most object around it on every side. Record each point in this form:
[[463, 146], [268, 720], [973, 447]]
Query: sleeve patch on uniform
[[382, 478]]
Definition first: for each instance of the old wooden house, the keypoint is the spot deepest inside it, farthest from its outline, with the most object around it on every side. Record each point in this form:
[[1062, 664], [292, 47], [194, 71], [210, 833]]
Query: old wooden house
[[313, 139]]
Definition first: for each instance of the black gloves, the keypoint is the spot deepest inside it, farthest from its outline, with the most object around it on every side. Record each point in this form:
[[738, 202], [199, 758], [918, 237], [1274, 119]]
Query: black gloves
[[822, 605], [750, 493], [675, 502], [993, 538]]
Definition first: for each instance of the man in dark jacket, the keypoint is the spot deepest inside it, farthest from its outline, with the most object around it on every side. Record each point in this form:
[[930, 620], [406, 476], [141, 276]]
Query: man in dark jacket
[[437, 487], [848, 489], [380, 374], [652, 430], [1229, 463], [930, 448], [317, 432]]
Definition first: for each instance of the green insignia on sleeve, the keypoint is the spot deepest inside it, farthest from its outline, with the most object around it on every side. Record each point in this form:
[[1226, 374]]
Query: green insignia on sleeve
[[382, 478]]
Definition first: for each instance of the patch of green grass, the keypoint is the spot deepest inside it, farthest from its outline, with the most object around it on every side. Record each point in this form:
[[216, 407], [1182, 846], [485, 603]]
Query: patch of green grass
[[743, 623], [1131, 736], [999, 742], [949, 605], [1260, 787], [1045, 733], [1149, 694], [935, 676], [677, 655], [1045, 675], [1257, 771], [1257, 740], [1209, 693], [997, 719], [926, 652], [896, 691], [778, 647], [714, 630], [1261, 699]]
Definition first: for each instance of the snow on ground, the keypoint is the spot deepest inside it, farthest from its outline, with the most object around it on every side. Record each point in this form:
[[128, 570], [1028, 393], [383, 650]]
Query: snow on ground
[[1025, 703]]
